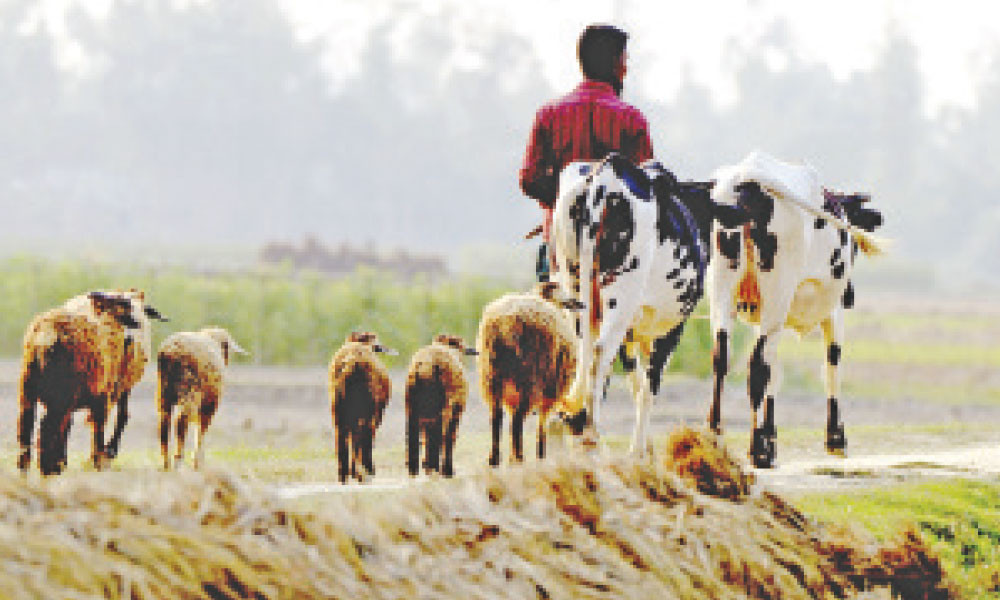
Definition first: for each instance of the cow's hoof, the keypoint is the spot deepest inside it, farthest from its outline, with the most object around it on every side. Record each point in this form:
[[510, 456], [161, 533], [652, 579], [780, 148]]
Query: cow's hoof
[[763, 450], [836, 442]]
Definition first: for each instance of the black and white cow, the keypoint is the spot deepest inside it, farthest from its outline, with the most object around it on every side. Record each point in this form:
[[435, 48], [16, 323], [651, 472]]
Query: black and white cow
[[788, 267], [631, 245]]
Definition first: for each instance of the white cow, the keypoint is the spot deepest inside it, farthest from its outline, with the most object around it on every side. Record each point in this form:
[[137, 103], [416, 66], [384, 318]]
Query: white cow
[[789, 267], [631, 244]]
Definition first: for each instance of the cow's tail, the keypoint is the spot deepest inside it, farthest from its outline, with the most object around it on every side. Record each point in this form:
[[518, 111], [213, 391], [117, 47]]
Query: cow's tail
[[868, 244]]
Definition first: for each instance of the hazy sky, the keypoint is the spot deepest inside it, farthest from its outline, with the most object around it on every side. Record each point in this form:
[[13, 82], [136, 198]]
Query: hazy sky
[[670, 39], [703, 39]]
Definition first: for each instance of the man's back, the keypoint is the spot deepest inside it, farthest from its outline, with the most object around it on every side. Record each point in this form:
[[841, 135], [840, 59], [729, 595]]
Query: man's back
[[586, 124]]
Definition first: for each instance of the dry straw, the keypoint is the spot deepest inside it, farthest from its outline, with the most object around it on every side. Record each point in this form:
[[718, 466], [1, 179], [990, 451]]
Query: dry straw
[[682, 525]]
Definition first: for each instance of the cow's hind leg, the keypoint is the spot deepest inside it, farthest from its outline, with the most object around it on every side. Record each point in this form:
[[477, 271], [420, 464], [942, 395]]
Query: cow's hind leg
[[663, 348], [833, 335], [761, 383]]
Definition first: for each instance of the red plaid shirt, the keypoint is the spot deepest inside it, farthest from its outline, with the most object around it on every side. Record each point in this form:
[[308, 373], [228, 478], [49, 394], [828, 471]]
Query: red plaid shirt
[[586, 124]]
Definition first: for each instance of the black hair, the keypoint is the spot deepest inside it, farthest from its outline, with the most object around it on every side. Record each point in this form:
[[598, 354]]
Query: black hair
[[599, 50]]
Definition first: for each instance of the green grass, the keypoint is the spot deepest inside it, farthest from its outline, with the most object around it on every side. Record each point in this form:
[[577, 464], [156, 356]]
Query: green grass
[[284, 317], [960, 519]]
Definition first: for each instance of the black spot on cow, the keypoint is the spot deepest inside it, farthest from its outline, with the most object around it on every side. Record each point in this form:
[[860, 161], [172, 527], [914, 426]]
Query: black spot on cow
[[835, 256], [628, 363], [579, 214], [767, 247], [820, 223], [728, 243], [760, 374], [843, 237], [662, 349], [868, 219], [760, 206], [617, 231], [838, 270], [598, 196], [632, 266], [612, 302], [833, 354], [848, 299], [854, 249], [673, 273]]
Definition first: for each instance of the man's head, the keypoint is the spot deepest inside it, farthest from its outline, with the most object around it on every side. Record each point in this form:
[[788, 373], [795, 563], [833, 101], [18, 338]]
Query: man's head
[[601, 51]]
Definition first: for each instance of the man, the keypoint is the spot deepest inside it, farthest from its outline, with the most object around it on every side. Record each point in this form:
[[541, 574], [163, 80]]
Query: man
[[586, 124]]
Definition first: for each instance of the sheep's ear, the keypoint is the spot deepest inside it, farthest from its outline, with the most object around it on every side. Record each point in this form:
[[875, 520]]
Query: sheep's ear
[[471, 352], [384, 350], [573, 305], [152, 313]]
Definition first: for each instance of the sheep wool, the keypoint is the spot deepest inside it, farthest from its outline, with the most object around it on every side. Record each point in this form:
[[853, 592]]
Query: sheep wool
[[527, 358], [190, 366], [72, 360], [359, 392], [436, 392]]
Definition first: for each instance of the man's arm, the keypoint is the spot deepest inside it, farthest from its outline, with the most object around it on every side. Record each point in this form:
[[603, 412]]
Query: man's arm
[[538, 177]]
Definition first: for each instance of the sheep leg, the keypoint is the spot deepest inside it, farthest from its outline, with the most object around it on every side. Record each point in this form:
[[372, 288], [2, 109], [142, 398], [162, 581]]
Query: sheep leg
[[166, 415], [52, 442], [496, 423], [432, 459], [540, 440], [448, 469], [182, 426], [342, 449], [412, 444], [367, 441], [25, 427], [204, 420], [121, 418], [98, 419], [517, 429]]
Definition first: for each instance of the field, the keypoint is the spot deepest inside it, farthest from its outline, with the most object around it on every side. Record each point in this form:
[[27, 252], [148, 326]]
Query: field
[[920, 378]]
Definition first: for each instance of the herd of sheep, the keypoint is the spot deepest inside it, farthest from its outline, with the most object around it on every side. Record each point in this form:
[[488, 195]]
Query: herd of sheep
[[90, 352]]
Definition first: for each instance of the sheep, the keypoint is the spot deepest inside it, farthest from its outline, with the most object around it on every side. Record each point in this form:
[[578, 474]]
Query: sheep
[[190, 366], [527, 357], [138, 346], [359, 391], [436, 390], [72, 360]]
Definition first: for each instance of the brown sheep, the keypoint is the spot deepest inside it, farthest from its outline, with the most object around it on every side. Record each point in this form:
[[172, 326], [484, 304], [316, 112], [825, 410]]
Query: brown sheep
[[527, 358], [436, 390], [359, 391], [190, 365], [72, 361], [138, 347]]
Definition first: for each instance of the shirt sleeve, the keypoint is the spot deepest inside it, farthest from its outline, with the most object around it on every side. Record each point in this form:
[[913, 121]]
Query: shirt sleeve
[[538, 178]]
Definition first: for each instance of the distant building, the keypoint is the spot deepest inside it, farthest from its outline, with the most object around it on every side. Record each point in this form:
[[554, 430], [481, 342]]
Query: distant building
[[313, 255]]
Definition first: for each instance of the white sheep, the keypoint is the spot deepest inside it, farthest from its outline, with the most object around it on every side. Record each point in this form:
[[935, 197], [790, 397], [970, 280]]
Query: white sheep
[[72, 360], [436, 391], [190, 365], [359, 391], [527, 358]]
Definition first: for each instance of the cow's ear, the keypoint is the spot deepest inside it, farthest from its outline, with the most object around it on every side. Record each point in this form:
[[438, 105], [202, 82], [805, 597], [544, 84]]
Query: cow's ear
[[730, 216]]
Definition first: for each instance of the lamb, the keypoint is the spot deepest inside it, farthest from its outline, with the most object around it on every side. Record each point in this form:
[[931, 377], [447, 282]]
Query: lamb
[[436, 390], [138, 346], [359, 391], [527, 358], [190, 365], [72, 360]]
